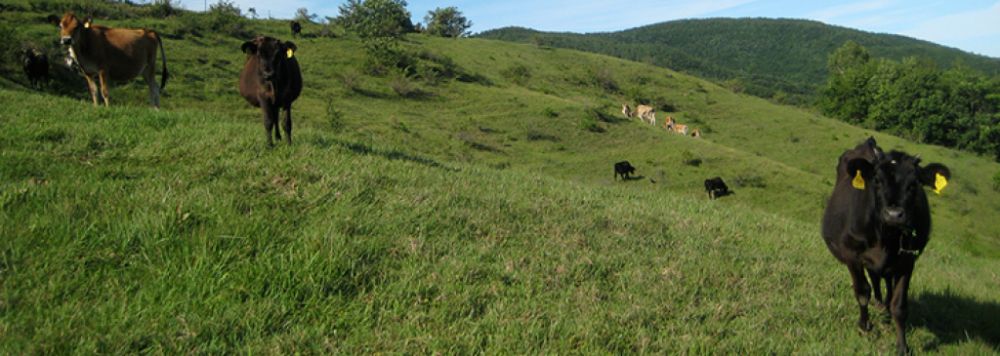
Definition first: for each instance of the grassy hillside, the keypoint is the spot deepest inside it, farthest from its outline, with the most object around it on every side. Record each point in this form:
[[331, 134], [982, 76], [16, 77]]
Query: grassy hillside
[[754, 51], [478, 216]]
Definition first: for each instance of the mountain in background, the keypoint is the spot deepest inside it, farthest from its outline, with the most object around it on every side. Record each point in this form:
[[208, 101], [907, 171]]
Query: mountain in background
[[784, 59]]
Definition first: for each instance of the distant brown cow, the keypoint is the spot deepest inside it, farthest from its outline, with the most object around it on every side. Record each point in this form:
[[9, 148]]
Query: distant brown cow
[[271, 80], [108, 54]]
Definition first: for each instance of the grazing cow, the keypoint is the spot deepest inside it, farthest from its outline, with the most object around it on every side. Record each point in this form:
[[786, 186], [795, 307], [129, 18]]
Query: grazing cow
[[696, 133], [716, 188], [106, 54], [271, 80], [623, 169], [627, 111], [878, 220], [296, 28], [680, 129], [646, 113], [36, 66], [672, 125]]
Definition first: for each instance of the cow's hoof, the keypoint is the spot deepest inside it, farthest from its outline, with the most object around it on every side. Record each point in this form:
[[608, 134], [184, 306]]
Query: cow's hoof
[[864, 326]]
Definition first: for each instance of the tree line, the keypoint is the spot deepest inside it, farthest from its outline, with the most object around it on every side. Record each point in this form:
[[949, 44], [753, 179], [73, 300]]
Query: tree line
[[914, 98]]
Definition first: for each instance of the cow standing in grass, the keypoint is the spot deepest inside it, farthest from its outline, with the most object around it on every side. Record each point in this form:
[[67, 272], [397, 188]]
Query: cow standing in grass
[[105, 54], [623, 169], [646, 113], [296, 28], [878, 220], [271, 80], [36, 66]]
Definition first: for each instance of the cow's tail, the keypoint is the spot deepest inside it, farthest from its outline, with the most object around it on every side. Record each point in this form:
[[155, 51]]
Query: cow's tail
[[163, 55]]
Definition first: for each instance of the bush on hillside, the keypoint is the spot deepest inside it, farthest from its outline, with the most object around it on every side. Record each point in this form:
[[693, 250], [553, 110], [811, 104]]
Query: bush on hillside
[[447, 22], [517, 73], [375, 18]]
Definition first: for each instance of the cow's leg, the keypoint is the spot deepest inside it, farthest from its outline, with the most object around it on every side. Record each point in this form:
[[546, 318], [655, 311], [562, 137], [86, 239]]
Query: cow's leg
[[862, 291], [154, 90], [270, 118], [898, 307], [877, 289], [93, 88], [286, 124], [103, 77]]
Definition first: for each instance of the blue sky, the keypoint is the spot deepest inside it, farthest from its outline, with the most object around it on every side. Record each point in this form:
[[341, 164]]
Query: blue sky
[[971, 25]]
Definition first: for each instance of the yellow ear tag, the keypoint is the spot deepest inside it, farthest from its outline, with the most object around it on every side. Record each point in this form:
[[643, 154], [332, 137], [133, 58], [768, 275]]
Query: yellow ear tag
[[858, 182], [86, 24], [289, 52], [939, 183]]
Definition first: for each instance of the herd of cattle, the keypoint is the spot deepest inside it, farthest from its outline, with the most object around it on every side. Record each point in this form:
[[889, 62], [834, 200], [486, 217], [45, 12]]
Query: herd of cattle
[[877, 220], [647, 114], [270, 79]]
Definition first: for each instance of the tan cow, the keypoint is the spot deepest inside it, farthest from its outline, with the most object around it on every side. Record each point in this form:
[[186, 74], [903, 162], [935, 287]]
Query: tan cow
[[646, 114], [672, 125], [117, 54], [627, 111], [696, 133]]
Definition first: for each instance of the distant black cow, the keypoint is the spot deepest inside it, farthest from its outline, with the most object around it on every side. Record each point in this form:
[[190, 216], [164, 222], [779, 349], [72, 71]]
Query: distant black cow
[[716, 188], [878, 220], [623, 169], [271, 80], [296, 28], [36, 66]]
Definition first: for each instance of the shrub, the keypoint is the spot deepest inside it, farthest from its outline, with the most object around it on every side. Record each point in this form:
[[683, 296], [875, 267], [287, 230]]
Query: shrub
[[384, 55], [605, 80], [751, 180], [225, 17], [550, 113], [447, 22], [518, 73], [376, 18], [333, 116], [690, 159]]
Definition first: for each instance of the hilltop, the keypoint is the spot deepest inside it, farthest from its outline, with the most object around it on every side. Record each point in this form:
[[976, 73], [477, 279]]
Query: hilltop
[[745, 51], [468, 209]]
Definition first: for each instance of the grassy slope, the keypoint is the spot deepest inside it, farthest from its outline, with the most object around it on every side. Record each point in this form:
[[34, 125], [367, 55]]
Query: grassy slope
[[176, 230]]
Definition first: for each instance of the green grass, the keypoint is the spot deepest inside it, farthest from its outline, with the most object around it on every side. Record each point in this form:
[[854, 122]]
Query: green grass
[[480, 218]]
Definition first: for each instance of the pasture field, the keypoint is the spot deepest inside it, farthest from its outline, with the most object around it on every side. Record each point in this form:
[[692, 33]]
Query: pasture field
[[475, 214]]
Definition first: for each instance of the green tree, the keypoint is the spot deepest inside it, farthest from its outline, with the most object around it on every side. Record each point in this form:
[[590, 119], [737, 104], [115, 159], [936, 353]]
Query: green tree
[[376, 18], [848, 92], [447, 22]]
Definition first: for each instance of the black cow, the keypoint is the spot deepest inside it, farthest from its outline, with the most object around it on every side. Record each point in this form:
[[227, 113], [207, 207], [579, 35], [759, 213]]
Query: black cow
[[296, 28], [271, 80], [623, 169], [36, 66], [716, 188], [878, 220]]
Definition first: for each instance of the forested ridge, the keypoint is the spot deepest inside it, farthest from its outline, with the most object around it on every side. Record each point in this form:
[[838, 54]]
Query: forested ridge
[[781, 59]]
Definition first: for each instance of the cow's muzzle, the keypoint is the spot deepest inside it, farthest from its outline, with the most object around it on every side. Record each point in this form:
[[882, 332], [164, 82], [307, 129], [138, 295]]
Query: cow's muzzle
[[894, 216], [66, 40]]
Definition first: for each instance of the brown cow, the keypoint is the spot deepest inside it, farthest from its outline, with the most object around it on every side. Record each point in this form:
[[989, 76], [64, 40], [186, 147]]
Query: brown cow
[[108, 54], [646, 113], [271, 80]]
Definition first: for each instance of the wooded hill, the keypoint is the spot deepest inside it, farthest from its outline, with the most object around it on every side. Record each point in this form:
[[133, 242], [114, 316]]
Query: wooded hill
[[783, 59]]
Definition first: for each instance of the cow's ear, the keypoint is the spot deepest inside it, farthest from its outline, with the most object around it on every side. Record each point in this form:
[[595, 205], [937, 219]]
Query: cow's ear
[[935, 175], [53, 19], [290, 48], [249, 47], [861, 172]]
